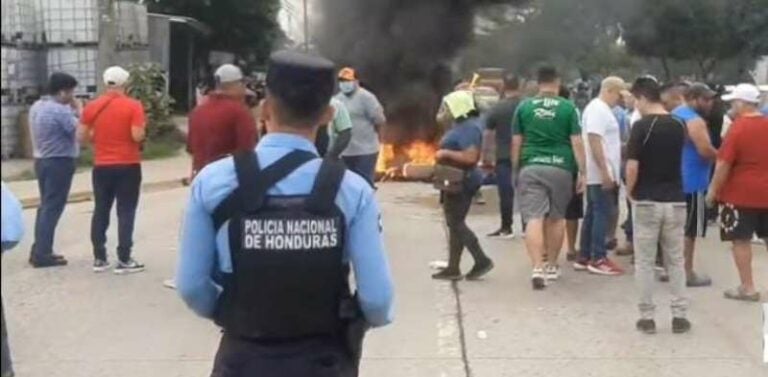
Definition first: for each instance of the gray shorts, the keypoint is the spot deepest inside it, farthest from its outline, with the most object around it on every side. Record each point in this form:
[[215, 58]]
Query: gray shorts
[[544, 192]]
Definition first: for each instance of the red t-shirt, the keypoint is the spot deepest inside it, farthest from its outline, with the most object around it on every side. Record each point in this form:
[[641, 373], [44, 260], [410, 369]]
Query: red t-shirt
[[746, 149], [111, 118], [219, 127]]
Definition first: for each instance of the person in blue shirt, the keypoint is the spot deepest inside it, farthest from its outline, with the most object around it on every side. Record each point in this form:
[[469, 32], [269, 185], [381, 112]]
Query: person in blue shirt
[[12, 231], [270, 299], [460, 148], [53, 121], [691, 104]]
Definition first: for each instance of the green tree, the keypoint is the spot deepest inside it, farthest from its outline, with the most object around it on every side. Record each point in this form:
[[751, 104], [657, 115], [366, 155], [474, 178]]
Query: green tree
[[705, 32], [248, 28]]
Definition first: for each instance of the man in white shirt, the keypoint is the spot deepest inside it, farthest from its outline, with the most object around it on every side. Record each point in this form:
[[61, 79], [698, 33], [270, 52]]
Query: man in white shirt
[[602, 139]]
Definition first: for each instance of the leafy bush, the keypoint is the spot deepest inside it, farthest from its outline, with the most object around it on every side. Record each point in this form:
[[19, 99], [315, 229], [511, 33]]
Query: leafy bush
[[148, 85]]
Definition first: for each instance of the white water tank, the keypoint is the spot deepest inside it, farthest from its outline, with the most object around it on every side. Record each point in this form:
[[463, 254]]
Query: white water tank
[[9, 129], [21, 21], [21, 68], [80, 62]]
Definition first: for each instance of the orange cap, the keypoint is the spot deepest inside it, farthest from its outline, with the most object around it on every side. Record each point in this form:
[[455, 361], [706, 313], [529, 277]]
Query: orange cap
[[347, 74]]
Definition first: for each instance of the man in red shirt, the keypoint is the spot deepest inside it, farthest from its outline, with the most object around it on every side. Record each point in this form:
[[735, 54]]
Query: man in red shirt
[[223, 124], [115, 124], [740, 184]]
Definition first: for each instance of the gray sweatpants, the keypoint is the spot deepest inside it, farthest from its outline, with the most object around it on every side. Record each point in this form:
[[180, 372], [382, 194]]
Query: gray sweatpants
[[658, 223]]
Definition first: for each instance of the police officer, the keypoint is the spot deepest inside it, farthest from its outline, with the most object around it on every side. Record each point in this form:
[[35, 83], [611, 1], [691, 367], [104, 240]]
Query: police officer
[[280, 229]]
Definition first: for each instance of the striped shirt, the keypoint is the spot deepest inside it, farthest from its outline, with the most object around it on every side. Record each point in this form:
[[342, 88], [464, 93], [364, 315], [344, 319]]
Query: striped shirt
[[53, 127]]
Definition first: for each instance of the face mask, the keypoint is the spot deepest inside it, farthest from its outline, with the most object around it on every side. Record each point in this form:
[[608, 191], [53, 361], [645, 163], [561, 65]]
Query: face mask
[[347, 87]]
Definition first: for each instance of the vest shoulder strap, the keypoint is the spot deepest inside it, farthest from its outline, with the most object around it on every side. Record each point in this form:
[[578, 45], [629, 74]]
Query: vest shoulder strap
[[322, 199], [254, 182]]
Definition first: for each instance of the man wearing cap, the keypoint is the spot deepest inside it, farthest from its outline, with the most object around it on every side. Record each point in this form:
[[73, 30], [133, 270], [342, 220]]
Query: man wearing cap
[[53, 120], [115, 124], [698, 155], [740, 184], [367, 116], [223, 124], [270, 236]]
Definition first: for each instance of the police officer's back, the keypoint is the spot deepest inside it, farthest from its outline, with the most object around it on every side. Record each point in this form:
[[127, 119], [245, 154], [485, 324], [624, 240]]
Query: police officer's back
[[269, 237]]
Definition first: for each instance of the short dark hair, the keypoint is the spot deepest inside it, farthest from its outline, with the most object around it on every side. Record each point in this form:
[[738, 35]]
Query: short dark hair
[[699, 91], [647, 88], [547, 75], [511, 82], [61, 81]]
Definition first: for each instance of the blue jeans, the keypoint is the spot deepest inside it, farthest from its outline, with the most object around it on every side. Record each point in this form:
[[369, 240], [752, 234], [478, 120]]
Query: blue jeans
[[54, 180], [601, 205], [365, 165], [506, 192]]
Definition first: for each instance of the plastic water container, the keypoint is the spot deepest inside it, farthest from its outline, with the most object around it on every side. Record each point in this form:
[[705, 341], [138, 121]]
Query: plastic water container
[[21, 68], [70, 21], [21, 22], [9, 129], [80, 62]]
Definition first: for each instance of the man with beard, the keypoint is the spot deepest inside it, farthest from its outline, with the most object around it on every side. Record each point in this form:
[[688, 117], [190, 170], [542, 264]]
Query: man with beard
[[698, 156]]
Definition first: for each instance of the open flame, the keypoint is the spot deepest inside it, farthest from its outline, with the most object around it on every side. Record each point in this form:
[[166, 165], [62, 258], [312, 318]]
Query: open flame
[[417, 158]]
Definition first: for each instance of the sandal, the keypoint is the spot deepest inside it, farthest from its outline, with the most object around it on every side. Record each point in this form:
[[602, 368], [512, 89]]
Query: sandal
[[739, 294]]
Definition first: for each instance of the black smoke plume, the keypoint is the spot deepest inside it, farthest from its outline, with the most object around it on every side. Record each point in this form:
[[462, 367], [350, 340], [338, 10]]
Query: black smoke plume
[[403, 51]]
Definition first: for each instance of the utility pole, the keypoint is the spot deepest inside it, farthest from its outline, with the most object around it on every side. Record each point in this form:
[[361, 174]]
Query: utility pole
[[306, 27], [107, 39]]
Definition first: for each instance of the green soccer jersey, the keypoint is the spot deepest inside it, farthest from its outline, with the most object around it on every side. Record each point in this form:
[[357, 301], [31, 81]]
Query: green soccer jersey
[[546, 125]]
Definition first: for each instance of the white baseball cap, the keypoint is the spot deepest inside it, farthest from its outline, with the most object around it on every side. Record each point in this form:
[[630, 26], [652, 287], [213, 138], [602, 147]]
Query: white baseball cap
[[228, 73], [116, 76], [744, 92]]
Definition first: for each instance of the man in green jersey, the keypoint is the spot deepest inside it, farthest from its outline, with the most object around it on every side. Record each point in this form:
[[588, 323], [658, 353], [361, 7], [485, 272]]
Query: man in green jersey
[[547, 152]]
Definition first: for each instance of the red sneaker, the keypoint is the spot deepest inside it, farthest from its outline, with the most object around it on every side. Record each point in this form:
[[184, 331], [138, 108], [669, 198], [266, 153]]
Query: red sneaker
[[606, 267], [581, 264]]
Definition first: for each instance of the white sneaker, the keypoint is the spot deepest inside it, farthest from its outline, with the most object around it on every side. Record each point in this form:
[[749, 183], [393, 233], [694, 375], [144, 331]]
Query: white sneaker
[[539, 279], [552, 272]]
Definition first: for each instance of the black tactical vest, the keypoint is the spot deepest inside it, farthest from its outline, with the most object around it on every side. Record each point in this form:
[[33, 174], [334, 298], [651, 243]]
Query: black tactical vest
[[288, 274]]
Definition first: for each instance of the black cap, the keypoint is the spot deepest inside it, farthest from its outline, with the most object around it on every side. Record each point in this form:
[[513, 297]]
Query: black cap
[[302, 82], [699, 90]]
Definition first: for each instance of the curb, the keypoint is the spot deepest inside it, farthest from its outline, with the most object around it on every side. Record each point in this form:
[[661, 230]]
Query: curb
[[86, 196]]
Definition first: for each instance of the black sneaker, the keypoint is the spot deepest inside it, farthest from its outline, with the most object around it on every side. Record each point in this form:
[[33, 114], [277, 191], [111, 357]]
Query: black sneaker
[[129, 267], [448, 275], [100, 265], [646, 326], [502, 233], [480, 269], [680, 325], [47, 261]]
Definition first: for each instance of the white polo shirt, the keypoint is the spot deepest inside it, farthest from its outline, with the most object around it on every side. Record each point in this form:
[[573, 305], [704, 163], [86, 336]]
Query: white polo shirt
[[598, 119]]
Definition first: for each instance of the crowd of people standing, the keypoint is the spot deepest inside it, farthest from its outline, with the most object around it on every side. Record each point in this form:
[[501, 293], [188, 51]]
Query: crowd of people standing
[[661, 143]]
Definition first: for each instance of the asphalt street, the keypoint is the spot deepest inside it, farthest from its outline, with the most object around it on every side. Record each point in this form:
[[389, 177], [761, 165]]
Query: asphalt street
[[72, 322]]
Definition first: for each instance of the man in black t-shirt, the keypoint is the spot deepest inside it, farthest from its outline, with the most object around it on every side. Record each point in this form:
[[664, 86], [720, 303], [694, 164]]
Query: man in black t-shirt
[[654, 184], [499, 121]]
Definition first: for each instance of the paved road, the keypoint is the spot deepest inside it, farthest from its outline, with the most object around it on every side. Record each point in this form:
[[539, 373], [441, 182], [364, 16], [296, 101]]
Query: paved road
[[70, 322]]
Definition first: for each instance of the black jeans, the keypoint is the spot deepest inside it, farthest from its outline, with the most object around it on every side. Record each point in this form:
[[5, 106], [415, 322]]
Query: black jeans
[[110, 183], [7, 367], [456, 207], [303, 358], [54, 180], [506, 192]]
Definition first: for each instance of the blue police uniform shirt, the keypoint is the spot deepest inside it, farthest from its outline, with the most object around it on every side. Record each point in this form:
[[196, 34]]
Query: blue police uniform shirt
[[464, 135], [695, 168], [205, 254], [12, 221]]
